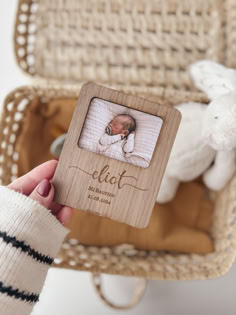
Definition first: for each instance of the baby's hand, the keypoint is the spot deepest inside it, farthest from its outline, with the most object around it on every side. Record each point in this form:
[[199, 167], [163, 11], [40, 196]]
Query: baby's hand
[[122, 135]]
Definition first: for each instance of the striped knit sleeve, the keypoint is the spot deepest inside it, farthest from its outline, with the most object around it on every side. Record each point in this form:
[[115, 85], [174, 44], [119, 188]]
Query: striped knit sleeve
[[30, 237]]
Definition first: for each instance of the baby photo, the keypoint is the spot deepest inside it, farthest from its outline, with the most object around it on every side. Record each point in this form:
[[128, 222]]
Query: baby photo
[[120, 132]]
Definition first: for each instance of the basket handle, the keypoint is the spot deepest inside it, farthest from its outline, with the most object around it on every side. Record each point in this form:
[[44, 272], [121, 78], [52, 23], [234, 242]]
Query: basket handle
[[141, 285]]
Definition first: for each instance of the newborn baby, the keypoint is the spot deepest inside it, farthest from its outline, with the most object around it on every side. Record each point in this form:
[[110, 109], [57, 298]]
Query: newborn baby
[[118, 138]]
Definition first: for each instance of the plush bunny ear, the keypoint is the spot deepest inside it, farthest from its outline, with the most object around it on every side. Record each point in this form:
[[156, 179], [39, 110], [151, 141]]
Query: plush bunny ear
[[213, 78]]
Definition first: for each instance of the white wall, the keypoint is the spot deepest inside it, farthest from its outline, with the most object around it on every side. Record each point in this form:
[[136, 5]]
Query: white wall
[[69, 292]]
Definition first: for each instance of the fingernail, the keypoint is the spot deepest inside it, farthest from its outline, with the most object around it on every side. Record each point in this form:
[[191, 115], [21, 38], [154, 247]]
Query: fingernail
[[44, 188]]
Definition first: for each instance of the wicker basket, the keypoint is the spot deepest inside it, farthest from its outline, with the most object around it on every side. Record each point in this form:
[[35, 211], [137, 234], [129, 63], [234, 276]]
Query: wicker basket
[[129, 43], [151, 39], [124, 259]]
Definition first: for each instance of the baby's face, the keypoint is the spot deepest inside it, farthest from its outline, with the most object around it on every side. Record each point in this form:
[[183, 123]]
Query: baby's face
[[116, 126]]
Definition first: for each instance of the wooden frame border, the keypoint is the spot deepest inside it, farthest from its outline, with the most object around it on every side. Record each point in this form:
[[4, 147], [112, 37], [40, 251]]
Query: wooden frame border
[[83, 178]]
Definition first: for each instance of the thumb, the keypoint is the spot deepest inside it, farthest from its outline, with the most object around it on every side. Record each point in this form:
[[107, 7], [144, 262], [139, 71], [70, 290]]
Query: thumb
[[43, 193]]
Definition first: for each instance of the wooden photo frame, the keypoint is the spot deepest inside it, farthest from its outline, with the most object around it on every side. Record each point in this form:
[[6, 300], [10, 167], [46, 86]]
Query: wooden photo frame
[[120, 189]]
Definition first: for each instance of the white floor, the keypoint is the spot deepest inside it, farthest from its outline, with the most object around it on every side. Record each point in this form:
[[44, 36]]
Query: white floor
[[69, 292]]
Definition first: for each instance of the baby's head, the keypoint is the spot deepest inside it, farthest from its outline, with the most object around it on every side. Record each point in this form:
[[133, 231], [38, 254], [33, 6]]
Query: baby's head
[[121, 124]]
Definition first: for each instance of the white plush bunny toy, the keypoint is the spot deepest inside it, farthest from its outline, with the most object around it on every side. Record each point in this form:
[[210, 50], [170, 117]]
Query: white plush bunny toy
[[206, 139]]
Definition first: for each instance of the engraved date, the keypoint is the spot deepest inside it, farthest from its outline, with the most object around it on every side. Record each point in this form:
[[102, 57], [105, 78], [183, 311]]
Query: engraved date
[[98, 198]]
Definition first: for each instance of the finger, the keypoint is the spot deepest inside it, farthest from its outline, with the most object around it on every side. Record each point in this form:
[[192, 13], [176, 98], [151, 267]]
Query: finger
[[27, 183], [65, 215], [43, 193], [55, 207]]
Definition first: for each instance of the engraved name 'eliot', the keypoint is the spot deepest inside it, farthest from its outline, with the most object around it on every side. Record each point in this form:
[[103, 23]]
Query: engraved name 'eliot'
[[105, 176]]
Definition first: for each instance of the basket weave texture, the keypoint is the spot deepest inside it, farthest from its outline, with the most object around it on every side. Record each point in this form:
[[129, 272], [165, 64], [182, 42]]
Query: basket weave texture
[[124, 259], [129, 43]]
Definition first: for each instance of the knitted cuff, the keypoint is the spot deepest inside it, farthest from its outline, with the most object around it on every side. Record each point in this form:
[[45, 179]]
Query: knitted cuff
[[28, 221], [30, 237]]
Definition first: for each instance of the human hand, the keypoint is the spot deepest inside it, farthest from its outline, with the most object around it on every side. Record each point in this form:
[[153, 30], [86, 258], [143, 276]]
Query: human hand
[[36, 185], [122, 135]]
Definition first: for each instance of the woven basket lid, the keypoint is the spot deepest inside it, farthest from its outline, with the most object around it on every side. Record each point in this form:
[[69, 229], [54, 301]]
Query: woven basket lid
[[131, 43]]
